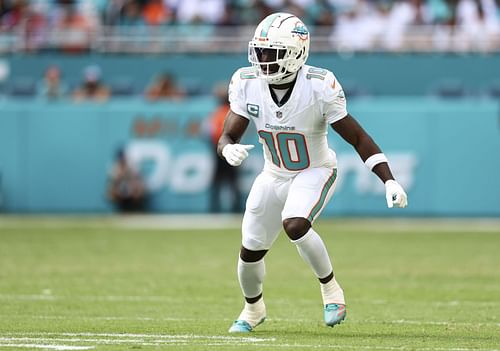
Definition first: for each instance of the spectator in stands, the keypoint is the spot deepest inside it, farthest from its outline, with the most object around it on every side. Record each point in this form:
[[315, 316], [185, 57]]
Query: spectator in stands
[[35, 28], [224, 174], [156, 13], [51, 87], [92, 88], [321, 15], [398, 20], [126, 189], [112, 12], [14, 15], [208, 11], [164, 87], [359, 26], [74, 30], [131, 14], [476, 26], [4, 8]]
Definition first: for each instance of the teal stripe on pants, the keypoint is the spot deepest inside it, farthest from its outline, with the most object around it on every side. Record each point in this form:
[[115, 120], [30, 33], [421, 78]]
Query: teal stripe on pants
[[322, 198]]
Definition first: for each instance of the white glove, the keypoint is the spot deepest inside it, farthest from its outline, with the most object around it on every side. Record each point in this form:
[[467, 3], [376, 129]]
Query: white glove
[[395, 194], [236, 153]]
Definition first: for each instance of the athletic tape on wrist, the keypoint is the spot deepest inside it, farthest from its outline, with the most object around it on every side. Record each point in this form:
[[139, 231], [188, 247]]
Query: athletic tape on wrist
[[374, 160]]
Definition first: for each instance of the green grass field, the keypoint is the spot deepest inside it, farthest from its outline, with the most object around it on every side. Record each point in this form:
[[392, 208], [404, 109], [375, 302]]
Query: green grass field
[[149, 284]]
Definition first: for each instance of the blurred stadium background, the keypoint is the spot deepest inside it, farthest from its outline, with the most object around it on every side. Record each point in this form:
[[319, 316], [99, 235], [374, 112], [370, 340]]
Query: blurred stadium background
[[423, 77], [87, 83]]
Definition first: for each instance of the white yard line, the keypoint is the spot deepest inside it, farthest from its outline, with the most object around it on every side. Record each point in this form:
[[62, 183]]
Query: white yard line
[[52, 340], [249, 339], [176, 340], [48, 347]]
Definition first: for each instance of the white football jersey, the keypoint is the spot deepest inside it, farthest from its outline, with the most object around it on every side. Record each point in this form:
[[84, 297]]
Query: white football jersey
[[293, 136]]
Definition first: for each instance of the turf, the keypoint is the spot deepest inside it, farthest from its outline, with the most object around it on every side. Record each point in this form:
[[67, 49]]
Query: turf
[[89, 283]]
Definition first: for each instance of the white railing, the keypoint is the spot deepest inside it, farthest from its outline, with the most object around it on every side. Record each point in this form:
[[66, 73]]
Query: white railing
[[210, 39]]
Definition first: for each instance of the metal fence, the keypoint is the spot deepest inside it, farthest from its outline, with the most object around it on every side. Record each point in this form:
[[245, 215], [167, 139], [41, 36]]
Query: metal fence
[[234, 39]]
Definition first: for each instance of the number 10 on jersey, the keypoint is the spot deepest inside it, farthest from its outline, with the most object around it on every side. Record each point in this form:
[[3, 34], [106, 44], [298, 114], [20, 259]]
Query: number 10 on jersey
[[288, 150]]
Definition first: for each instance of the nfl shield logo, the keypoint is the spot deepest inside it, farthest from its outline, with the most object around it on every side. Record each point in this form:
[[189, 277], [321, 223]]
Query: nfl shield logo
[[279, 114]]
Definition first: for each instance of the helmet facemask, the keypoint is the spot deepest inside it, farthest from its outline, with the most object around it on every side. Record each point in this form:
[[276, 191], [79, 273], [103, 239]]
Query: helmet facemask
[[273, 63]]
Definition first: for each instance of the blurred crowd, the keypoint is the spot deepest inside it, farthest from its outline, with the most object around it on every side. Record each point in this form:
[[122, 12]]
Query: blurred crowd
[[73, 24], [93, 87]]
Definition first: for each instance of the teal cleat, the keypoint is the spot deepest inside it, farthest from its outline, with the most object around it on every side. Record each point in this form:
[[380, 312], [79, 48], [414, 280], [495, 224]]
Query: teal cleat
[[334, 314], [241, 326]]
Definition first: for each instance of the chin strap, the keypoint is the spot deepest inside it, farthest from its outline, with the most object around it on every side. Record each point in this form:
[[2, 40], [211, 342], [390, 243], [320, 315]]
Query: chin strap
[[287, 78]]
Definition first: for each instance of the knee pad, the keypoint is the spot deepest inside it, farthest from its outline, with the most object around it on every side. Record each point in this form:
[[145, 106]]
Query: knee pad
[[296, 227], [251, 256]]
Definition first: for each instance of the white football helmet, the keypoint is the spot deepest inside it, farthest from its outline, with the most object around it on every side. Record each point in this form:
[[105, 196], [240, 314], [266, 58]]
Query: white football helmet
[[280, 47]]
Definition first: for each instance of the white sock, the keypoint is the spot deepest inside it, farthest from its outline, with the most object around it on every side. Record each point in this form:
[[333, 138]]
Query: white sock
[[251, 276], [313, 251], [331, 292], [253, 313]]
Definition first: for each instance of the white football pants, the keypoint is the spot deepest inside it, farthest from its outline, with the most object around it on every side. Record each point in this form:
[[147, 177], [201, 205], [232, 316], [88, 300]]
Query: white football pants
[[272, 199]]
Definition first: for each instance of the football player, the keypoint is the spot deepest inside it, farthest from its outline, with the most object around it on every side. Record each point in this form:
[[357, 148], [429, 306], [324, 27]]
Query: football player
[[292, 105]]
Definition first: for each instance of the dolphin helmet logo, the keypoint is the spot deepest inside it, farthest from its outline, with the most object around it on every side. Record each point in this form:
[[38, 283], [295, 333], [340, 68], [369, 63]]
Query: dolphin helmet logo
[[301, 31]]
